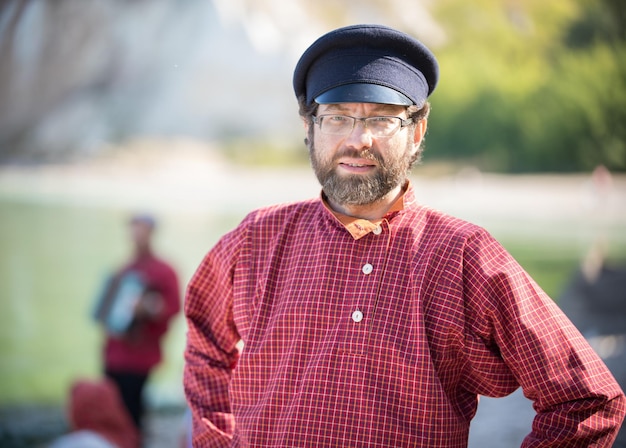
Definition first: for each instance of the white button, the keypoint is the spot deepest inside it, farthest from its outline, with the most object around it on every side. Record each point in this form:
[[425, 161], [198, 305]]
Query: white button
[[367, 268], [357, 316], [377, 230]]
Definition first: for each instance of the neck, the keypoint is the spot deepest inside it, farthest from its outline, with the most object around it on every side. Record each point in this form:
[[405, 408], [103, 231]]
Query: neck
[[141, 252], [372, 211]]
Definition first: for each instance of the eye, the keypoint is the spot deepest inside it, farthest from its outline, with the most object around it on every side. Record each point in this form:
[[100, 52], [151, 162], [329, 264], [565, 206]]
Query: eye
[[383, 120], [337, 118]]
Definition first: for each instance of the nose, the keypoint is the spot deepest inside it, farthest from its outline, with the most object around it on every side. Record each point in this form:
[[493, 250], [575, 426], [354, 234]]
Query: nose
[[360, 137]]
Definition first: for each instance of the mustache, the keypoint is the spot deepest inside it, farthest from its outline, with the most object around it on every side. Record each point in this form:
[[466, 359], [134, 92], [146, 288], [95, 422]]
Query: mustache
[[359, 154]]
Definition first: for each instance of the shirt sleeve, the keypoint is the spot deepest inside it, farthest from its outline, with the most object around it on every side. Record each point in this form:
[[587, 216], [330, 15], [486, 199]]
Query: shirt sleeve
[[514, 330], [211, 352]]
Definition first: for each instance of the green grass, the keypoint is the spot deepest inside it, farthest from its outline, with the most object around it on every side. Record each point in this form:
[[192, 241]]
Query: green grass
[[52, 263], [54, 258]]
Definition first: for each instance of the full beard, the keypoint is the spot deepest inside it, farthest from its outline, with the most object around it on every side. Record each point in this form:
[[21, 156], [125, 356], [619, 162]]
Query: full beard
[[353, 189]]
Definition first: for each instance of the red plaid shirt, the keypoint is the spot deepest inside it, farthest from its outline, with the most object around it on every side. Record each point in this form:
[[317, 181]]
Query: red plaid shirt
[[379, 335]]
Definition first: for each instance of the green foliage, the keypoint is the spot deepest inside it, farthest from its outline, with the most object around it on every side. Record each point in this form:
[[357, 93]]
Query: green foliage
[[538, 86]]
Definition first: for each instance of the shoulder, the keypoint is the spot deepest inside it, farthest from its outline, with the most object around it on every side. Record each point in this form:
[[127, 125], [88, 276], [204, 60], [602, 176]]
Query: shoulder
[[477, 247], [157, 270], [163, 265], [277, 219], [438, 225], [267, 223], [436, 222], [456, 240], [448, 223], [285, 212]]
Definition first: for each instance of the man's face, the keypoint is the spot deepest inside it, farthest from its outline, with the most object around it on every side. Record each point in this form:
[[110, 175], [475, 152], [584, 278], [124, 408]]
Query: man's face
[[357, 168], [141, 234]]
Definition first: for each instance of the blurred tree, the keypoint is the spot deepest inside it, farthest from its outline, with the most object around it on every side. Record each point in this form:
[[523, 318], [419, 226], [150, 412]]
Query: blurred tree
[[532, 86], [601, 20]]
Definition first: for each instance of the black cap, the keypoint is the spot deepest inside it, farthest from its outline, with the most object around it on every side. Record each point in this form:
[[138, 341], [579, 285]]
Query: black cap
[[366, 64]]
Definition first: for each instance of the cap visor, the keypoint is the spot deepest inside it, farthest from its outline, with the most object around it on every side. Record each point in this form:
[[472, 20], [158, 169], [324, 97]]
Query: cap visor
[[363, 93]]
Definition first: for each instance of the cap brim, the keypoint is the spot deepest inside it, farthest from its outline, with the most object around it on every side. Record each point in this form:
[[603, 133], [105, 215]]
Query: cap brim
[[363, 93]]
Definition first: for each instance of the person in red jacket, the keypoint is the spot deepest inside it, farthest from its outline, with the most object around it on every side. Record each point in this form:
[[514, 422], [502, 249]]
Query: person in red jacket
[[132, 353]]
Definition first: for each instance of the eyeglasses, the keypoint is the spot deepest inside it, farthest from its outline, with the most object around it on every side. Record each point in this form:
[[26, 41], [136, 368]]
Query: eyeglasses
[[344, 124]]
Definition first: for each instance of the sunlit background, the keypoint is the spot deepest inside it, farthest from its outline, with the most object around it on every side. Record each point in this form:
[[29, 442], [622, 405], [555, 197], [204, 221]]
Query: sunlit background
[[185, 109]]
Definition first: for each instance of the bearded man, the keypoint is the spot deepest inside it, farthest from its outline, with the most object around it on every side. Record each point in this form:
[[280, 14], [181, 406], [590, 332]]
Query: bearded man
[[369, 319]]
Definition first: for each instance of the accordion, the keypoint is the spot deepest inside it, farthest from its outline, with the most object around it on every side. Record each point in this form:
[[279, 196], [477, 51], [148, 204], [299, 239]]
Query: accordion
[[115, 307]]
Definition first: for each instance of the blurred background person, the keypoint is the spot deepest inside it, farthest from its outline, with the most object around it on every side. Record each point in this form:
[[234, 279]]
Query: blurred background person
[[97, 418], [136, 308]]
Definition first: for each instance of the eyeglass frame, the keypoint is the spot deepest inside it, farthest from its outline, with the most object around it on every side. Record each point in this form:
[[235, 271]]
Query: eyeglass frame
[[317, 119]]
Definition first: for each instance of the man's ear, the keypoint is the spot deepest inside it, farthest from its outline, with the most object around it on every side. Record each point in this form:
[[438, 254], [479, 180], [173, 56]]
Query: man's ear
[[420, 131], [307, 126], [418, 135]]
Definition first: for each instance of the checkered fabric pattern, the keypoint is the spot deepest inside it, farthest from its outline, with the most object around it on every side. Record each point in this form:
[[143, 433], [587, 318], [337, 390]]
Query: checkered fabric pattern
[[384, 339]]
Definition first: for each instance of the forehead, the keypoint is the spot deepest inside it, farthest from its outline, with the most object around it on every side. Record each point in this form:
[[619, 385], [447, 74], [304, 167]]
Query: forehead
[[361, 108], [141, 226]]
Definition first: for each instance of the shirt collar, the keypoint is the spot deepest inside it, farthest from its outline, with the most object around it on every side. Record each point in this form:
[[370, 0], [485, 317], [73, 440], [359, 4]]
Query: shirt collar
[[358, 227]]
